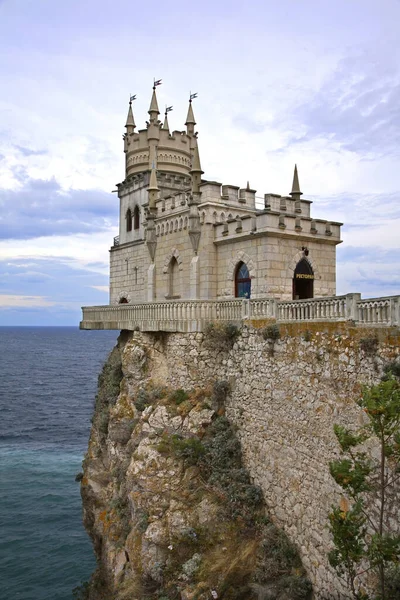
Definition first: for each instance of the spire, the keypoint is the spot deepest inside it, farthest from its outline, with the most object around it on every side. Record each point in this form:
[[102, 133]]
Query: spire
[[167, 110], [190, 120], [296, 193], [130, 121], [153, 110], [166, 126]]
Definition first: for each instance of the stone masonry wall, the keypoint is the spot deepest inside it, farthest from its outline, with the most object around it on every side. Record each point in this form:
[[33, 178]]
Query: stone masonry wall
[[286, 396]]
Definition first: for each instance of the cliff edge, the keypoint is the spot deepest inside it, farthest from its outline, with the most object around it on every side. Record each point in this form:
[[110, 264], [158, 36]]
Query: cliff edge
[[169, 506]]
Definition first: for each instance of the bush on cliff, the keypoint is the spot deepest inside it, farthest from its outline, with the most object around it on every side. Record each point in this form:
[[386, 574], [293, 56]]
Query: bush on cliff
[[108, 389], [220, 335]]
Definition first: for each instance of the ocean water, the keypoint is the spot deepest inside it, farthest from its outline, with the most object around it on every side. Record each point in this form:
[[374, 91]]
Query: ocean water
[[48, 379]]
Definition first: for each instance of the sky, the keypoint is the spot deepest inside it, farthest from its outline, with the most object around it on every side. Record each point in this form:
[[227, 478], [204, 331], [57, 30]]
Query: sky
[[312, 82]]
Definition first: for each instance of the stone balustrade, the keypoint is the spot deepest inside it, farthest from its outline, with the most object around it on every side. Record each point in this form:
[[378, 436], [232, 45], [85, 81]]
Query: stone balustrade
[[193, 315]]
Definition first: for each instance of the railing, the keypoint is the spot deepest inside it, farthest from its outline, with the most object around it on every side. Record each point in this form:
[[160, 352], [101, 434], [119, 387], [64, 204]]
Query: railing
[[192, 315]]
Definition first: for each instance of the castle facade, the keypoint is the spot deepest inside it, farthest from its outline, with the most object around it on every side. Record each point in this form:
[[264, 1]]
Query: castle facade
[[184, 237]]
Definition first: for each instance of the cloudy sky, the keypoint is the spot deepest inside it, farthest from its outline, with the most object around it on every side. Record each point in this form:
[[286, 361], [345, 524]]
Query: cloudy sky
[[309, 81]]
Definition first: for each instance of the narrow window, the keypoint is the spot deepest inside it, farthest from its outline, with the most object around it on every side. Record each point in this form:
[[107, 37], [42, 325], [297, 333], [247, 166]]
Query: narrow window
[[174, 287], [136, 218], [242, 281], [128, 220]]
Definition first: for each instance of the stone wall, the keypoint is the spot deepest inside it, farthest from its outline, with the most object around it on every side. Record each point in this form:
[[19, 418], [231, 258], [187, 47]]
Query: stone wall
[[286, 395]]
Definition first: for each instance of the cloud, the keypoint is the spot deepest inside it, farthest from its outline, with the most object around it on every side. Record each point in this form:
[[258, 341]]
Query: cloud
[[29, 151], [10, 301], [358, 106], [40, 208]]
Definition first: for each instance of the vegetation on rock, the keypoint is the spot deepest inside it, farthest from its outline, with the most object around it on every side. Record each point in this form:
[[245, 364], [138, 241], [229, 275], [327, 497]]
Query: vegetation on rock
[[176, 515]]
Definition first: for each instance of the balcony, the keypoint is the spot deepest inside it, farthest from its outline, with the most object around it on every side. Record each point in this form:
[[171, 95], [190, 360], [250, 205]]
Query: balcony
[[193, 315]]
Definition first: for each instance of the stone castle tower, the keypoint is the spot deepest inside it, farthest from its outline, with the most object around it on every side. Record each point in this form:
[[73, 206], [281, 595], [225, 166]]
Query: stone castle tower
[[183, 237]]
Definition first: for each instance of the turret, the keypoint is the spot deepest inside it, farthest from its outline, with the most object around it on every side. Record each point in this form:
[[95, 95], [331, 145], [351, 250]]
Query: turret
[[130, 125], [153, 189], [151, 239], [196, 171], [194, 201], [153, 127]]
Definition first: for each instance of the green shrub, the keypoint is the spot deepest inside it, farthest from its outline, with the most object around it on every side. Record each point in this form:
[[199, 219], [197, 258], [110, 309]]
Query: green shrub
[[221, 335], [221, 389], [142, 400], [189, 449], [103, 420], [81, 592], [271, 332], [147, 396], [179, 396], [392, 369]]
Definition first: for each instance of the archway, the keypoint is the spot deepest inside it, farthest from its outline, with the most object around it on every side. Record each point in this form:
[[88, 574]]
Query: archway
[[123, 300], [242, 281], [303, 280]]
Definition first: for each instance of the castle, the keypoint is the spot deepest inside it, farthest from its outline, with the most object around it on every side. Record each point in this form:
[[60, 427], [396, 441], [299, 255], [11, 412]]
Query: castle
[[185, 238]]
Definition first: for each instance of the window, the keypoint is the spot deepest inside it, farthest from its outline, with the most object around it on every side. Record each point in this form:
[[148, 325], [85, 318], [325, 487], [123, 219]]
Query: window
[[136, 218], [242, 281], [128, 220], [174, 287]]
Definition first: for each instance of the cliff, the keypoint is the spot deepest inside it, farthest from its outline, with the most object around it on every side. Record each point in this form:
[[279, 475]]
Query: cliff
[[170, 508], [168, 502]]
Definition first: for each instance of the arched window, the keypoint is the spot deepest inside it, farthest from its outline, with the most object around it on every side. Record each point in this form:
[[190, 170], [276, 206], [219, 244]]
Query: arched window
[[136, 218], [128, 217], [123, 300], [242, 281], [174, 287], [303, 280]]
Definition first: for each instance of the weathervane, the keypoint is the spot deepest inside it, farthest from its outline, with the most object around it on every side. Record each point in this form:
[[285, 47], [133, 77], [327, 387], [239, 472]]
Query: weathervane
[[156, 83], [168, 109], [192, 96], [131, 98]]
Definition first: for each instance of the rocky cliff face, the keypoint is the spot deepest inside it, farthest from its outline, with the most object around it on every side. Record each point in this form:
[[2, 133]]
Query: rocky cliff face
[[171, 510]]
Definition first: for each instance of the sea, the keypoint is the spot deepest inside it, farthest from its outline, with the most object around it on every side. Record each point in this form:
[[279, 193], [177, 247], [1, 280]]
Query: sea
[[48, 380]]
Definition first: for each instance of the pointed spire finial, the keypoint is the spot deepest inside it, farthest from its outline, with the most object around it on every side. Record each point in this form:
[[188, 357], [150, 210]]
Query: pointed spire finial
[[153, 110], [296, 193], [167, 110], [130, 121], [190, 120]]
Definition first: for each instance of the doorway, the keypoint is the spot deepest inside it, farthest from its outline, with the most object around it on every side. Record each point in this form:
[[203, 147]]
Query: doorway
[[303, 280]]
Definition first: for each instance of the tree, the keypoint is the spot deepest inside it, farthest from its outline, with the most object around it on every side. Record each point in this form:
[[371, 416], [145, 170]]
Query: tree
[[362, 536]]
